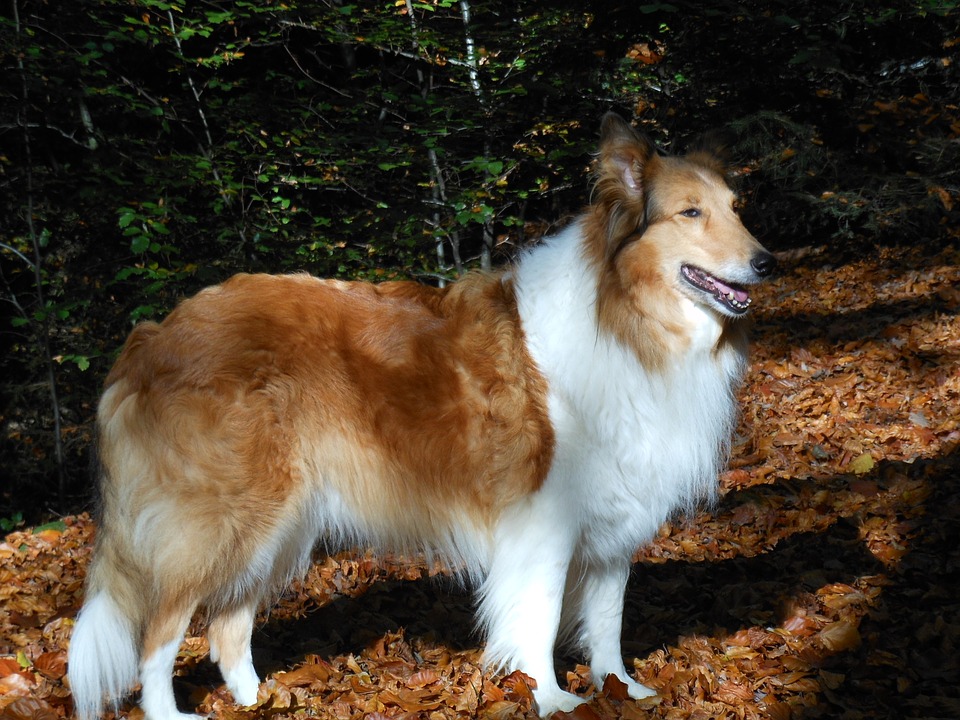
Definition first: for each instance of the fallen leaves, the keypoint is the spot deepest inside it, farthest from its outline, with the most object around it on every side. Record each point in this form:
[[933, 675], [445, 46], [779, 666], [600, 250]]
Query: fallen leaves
[[820, 586]]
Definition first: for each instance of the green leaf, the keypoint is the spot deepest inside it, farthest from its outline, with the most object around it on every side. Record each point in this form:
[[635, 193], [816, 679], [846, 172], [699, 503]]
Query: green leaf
[[140, 244], [143, 311], [57, 525], [8, 524]]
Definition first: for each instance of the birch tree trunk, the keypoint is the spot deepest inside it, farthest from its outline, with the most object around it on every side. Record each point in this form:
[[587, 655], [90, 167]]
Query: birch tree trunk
[[473, 70], [438, 190]]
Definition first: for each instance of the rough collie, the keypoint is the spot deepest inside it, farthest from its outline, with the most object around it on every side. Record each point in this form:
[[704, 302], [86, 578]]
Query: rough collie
[[532, 427]]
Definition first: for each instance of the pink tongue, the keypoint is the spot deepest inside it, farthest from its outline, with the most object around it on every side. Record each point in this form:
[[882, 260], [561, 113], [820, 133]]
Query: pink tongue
[[740, 295]]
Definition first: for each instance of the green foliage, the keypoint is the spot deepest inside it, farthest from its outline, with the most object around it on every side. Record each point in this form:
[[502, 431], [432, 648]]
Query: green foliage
[[57, 525], [152, 147], [8, 524]]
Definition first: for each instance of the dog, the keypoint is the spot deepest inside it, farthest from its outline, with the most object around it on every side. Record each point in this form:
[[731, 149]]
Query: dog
[[532, 427]]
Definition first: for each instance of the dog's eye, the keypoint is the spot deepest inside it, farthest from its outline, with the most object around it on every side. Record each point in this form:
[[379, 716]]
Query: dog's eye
[[691, 212]]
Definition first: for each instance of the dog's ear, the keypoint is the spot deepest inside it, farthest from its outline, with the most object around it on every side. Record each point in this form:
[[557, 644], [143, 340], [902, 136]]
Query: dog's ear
[[624, 153], [620, 192], [712, 150]]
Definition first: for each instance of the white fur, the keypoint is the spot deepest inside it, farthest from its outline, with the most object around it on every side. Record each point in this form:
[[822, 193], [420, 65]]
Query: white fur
[[156, 672], [632, 446], [102, 656]]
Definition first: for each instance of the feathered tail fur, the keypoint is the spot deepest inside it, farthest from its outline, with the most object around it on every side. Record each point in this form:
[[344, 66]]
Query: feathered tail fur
[[103, 657]]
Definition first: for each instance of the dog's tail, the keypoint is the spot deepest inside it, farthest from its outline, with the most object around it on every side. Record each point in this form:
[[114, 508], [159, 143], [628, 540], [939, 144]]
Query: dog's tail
[[103, 656]]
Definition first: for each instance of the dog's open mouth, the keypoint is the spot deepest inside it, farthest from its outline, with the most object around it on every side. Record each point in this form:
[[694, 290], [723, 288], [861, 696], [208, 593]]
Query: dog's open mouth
[[735, 299]]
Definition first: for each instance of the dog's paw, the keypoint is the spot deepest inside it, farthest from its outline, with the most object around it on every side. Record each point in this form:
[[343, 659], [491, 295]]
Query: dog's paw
[[638, 691], [551, 700], [243, 684], [245, 697]]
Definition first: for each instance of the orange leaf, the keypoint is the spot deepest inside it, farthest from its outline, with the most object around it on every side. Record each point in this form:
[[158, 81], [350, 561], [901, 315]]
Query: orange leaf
[[518, 686], [423, 678], [615, 688], [501, 710], [8, 666], [19, 683], [305, 675], [840, 636], [411, 700], [52, 664]]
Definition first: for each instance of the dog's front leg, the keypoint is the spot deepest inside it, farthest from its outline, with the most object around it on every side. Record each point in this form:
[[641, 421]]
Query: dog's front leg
[[520, 600], [600, 597]]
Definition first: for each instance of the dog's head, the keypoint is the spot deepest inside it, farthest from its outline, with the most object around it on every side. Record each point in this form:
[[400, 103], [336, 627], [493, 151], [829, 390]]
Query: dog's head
[[671, 222]]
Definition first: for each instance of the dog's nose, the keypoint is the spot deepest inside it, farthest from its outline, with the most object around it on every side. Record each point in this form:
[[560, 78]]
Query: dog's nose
[[763, 263]]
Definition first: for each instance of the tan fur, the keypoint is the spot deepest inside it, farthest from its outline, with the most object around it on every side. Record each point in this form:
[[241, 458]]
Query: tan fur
[[638, 281], [428, 393]]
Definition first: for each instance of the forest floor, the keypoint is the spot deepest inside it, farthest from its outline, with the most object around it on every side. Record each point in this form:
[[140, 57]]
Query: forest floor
[[823, 585]]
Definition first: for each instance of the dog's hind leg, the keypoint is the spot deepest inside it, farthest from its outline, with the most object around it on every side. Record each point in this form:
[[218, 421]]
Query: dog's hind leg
[[161, 641], [229, 635]]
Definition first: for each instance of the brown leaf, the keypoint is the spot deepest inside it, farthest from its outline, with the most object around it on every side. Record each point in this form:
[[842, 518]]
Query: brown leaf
[[840, 636], [29, 708], [18, 683], [800, 625], [469, 699], [411, 700], [518, 687], [500, 710], [615, 688], [52, 664], [831, 680], [306, 675], [423, 678], [733, 693], [275, 695], [580, 712], [777, 711]]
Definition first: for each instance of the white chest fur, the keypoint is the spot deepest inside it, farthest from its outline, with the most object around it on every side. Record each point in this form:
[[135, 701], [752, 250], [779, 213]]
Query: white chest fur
[[634, 444]]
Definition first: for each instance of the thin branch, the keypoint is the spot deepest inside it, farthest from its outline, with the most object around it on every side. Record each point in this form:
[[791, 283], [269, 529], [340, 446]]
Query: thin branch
[[311, 78], [68, 135], [141, 92], [206, 151], [193, 87], [19, 254]]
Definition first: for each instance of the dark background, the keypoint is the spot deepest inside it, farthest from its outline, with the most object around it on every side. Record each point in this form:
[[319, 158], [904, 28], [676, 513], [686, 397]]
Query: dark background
[[150, 148]]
